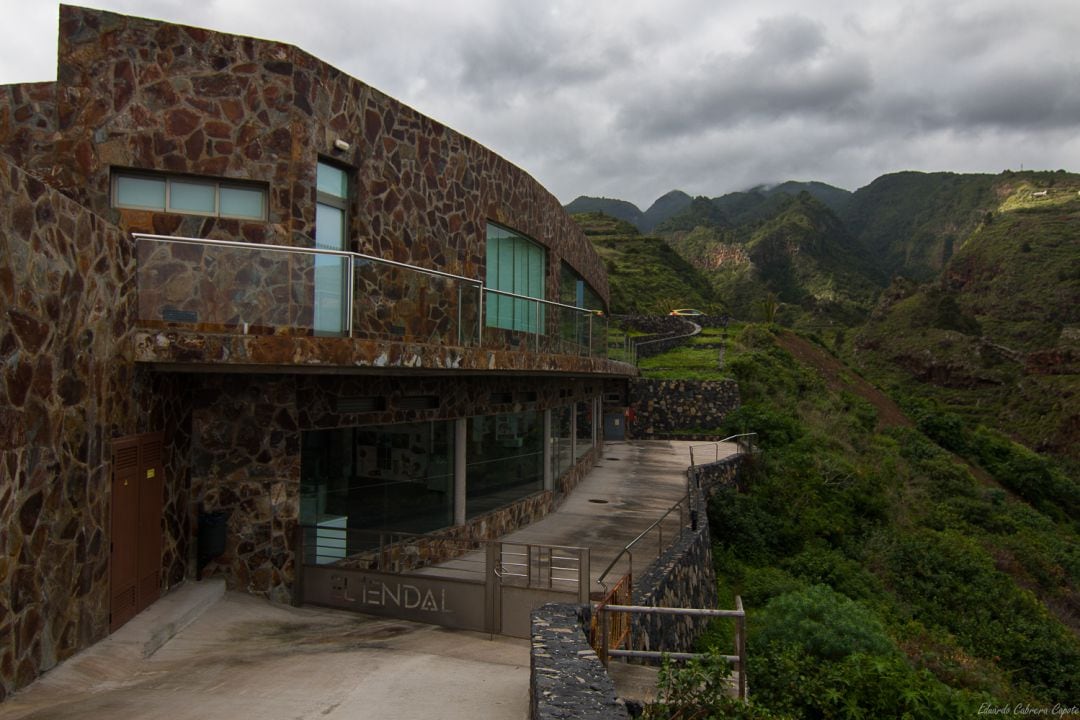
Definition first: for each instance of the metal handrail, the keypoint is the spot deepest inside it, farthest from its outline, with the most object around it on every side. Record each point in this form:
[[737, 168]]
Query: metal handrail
[[305, 251], [627, 548], [542, 300], [716, 445]]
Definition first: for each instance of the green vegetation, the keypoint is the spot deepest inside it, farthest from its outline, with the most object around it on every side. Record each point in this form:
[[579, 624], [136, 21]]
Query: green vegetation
[[793, 247], [647, 276], [882, 576]]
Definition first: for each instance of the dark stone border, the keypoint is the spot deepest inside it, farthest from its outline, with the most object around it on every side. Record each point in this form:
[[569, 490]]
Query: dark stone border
[[567, 679]]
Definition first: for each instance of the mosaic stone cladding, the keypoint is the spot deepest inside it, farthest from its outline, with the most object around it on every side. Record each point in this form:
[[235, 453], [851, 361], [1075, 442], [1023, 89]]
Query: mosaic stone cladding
[[66, 390]]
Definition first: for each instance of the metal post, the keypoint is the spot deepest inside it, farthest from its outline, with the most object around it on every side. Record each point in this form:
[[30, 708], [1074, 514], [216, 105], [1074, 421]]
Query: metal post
[[298, 567], [349, 296], [549, 475], [740, 645], [460, 470], [603, 637], [584, 570], [480, 316]]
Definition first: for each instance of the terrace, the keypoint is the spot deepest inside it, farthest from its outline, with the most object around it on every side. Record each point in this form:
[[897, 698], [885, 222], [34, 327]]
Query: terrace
[[214, 302]]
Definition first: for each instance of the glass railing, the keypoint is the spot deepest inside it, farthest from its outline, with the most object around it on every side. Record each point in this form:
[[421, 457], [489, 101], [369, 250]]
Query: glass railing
[[219, 286], [246, 288], [543, 326]]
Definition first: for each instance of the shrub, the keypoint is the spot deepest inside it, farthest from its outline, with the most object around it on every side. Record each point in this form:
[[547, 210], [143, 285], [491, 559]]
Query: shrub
[[822, 624]]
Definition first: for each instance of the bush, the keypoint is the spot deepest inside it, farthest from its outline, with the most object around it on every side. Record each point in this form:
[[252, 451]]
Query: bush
[[860, 686], [822, 624], [700, 691], [774, 428]]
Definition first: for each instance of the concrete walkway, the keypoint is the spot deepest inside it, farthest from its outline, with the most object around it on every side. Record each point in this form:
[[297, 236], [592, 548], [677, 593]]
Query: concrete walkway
[[243, 657]]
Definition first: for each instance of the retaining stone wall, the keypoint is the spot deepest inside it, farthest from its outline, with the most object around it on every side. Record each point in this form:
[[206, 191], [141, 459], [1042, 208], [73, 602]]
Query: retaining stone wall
[[567, 679], [664, 407], [682, 577]]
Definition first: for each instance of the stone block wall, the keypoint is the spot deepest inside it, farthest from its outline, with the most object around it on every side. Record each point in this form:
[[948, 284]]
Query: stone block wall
[[67, 388], [682, 577], [567, 679], [664, 407]]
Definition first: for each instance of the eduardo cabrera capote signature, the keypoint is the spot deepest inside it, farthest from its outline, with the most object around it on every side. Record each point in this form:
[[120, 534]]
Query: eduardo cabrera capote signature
[[1025, 710]]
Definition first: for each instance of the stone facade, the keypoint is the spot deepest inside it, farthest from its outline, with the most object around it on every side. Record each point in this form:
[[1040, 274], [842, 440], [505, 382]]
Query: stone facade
[[246, 454], [68, 388], [680, 407]]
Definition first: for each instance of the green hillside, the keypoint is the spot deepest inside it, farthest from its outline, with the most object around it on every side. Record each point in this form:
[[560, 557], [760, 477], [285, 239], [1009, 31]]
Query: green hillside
[[611, 207], [645, 274], [911, 221], [996, 339], [800, 252], [664, 207], [884, 576]]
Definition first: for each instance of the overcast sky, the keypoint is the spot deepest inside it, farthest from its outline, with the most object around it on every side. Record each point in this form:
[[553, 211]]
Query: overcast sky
[[631, 99]]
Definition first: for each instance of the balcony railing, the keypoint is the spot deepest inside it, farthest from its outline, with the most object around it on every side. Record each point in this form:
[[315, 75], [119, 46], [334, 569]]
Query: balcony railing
[[220, 286]]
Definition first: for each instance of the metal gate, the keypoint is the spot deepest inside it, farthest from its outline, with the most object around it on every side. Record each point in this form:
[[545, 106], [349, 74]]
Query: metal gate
[[486, 586]]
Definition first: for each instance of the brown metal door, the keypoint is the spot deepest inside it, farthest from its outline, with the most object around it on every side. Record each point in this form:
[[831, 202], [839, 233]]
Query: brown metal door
[[137, 496], [151, 498]]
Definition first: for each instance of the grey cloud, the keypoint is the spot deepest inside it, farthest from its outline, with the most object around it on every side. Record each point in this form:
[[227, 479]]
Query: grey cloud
[[773, 80]]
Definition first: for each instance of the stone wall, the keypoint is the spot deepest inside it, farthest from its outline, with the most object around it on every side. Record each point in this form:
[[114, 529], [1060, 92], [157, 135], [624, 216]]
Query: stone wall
[[567, 679], [682, 577], [664, 408], [67, 388]]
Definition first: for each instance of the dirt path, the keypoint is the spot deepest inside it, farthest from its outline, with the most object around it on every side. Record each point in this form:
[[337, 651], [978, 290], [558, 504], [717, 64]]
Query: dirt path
[[840, 377]]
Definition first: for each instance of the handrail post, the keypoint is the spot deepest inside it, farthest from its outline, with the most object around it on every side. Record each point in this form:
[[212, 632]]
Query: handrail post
[[740, 645], [603, 636]]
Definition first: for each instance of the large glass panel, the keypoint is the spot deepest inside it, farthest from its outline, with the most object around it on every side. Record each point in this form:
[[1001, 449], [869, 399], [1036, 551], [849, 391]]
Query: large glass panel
[[140, 192], [584, 427], [388, 477], [516, 265], [242, 202], [562, 458], [193, 197], [505, 460], [330, 272]]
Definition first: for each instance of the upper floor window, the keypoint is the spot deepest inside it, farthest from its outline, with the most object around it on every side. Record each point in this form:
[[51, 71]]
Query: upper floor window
[[331, 233], [189, 195], [516, 265]]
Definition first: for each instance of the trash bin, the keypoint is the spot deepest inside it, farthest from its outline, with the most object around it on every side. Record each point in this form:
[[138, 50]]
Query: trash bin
[[211, 537]]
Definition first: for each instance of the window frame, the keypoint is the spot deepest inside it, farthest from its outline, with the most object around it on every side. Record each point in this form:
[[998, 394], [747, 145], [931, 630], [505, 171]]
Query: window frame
[[170, 178]]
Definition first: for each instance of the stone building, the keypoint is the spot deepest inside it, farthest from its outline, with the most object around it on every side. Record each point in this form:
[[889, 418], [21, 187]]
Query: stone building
[[238, 284]]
